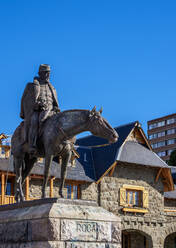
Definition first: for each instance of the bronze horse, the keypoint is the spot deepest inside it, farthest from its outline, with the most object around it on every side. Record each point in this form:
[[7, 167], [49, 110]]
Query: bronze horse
[[54, 140]]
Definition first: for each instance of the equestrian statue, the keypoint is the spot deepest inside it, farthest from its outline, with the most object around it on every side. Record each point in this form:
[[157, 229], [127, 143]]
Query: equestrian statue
[[47, 132]]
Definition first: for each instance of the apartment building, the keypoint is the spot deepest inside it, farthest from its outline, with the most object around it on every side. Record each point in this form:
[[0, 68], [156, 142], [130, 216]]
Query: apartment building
[[162, 135]]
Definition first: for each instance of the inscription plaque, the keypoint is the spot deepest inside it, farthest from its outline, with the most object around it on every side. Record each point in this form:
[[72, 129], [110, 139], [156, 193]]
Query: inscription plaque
[[91, 245], [85, 230]]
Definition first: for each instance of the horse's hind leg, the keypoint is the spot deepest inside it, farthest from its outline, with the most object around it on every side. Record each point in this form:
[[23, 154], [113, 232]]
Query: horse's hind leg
[[29, 164], [65, 160], [18, 165], [48, 160]]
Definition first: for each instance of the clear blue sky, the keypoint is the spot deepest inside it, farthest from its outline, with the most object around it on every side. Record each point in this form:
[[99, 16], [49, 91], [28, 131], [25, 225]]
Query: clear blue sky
[[117, 54]]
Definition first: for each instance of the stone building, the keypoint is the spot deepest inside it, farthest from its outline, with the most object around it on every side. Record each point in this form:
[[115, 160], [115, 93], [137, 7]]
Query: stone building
[[126, 178]]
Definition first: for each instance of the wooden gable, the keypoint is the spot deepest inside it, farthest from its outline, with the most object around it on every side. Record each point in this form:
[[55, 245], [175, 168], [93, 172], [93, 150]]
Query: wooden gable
[[2, 136], [137, 135]]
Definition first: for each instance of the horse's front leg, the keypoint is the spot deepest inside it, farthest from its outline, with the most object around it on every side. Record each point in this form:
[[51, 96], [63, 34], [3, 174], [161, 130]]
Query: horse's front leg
[[48, 160], [65, 160]]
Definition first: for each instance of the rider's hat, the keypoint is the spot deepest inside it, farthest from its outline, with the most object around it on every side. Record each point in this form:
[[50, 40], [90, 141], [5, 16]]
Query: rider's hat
[[44, 67]]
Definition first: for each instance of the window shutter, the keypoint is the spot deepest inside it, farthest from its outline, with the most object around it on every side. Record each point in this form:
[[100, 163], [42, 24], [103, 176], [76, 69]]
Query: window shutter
[[145, 199], [122, 196]]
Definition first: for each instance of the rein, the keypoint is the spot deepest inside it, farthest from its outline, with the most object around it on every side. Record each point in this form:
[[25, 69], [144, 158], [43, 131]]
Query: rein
[[107, 144], [64, 134]]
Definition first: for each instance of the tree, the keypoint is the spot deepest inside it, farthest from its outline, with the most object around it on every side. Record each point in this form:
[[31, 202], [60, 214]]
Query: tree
[[172, 159]]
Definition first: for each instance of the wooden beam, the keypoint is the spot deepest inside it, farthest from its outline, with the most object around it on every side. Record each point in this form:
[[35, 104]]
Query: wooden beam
[[27, 188], [51, 186], [3, 136], [72, 193], [170, 210], [9, 173], [36, 176], [133, 187], [106, 172], [7, 153], [158, 175], [2, 188], [166, 173], [145, 138], [5, 146], [79, 192], [112, 171], [69, 181], [134, 210], [76, 153]]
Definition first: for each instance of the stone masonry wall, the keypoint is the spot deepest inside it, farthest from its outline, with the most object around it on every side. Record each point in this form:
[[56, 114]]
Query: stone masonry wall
[[108, 196], [131, 175], [35, 188], [155, 223], [89, 192]]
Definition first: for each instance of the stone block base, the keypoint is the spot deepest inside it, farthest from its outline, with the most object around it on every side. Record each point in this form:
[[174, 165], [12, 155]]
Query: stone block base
[[58, 223]]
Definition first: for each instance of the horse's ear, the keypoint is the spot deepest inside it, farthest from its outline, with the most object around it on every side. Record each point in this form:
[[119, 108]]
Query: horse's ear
[[93, 110], [101, 110]]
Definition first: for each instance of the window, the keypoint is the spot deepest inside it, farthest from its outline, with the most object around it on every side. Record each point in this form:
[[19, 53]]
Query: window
[[133, 196], [170, 141], [156, 135], [69, 190], [150, 126], [3, 150], [85, 157], [170, 121], [161, 134], [153, 136], [157, 124], [72, 191], [162, 154], [154, 145], [159, 144], [161, 124], [170, 131], [162, 143], [8, 188], [169, 152]]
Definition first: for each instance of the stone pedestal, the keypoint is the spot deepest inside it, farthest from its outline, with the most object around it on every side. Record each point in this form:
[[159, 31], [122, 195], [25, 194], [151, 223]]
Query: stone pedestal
[[58, 223]]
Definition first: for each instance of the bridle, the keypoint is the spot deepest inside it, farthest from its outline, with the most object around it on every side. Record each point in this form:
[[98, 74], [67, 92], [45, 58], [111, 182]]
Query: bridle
[[91, 117]]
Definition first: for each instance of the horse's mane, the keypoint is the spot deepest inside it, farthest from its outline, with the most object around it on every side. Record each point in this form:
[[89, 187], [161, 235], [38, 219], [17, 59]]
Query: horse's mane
[[65, 112], [74, 110]]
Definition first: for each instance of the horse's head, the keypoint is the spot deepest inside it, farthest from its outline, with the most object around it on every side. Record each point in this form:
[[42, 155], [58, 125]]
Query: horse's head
[[98, 126]]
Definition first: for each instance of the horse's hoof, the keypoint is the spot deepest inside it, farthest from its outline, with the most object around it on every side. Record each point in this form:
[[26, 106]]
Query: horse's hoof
[[61, 195], [22, 199]]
